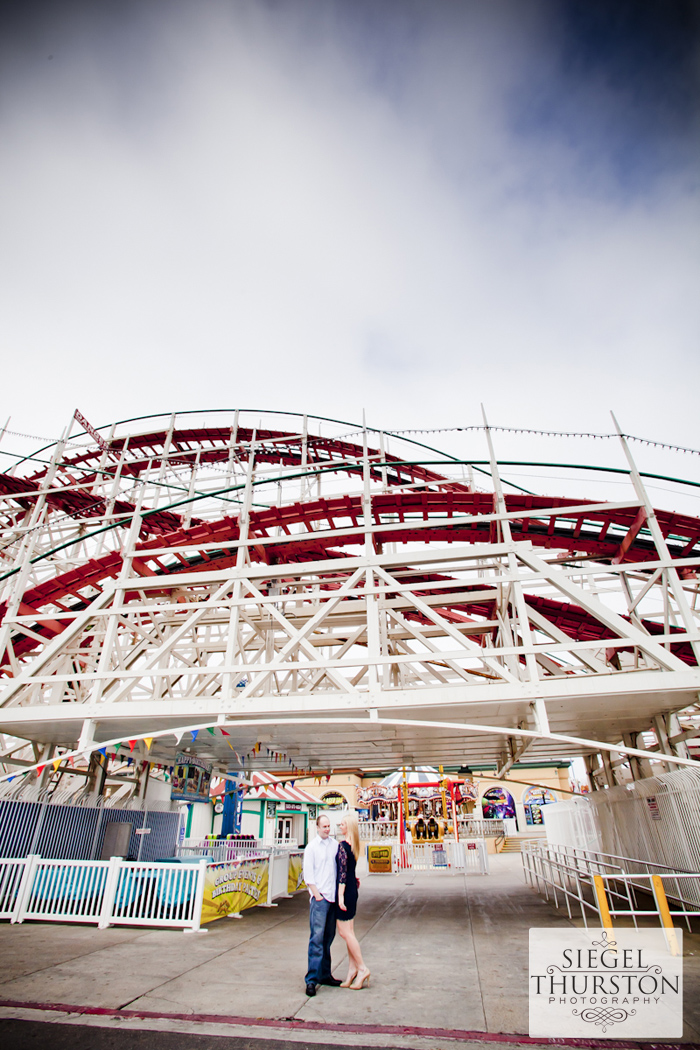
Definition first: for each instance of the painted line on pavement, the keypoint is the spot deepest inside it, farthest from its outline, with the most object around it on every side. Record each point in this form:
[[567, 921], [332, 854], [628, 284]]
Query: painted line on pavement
[[291, 1024]]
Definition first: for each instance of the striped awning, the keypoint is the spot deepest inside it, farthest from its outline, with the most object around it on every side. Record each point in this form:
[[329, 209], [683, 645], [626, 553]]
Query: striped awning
[[414, 777], [266, 786]]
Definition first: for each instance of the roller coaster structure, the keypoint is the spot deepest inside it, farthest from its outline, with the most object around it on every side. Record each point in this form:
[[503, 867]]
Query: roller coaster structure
[[304, 590]]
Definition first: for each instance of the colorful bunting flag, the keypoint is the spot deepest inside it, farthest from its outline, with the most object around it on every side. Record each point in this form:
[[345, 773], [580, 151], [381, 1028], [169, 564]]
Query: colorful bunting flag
[[149, 741], [210, 730], [132, 745]]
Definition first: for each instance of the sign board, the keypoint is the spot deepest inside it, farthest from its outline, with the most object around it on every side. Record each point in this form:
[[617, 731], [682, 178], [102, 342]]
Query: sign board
[[594, 984], [379, 859], [653, 807], [232, 886], [293, 807], [295, 874], [142, 831], [191, 779]]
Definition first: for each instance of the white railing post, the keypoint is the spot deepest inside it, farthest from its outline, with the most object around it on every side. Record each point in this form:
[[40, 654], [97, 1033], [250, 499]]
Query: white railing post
[[199, 895], [25, 887], [110, 892], [270, 870]]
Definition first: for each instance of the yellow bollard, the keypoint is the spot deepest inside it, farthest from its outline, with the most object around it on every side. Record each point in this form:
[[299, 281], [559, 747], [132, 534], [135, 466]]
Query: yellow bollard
[[599, 887], [665, 914]]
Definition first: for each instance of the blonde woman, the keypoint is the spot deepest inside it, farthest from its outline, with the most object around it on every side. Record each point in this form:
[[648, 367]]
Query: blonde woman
[[346, 900]]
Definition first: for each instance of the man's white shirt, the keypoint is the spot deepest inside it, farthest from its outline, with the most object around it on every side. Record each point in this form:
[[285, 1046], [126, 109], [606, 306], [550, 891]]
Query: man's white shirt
[[319, 866]]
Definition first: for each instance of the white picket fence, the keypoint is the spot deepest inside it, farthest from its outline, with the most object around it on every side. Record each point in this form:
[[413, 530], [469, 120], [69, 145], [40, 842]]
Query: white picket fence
[[104, 892]]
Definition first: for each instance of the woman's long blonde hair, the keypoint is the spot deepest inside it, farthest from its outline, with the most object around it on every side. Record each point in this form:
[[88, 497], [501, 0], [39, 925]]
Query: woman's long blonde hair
[[353, 835]]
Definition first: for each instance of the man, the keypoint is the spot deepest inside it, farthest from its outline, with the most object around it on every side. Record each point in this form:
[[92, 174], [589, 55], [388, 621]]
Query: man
[[320, 879]]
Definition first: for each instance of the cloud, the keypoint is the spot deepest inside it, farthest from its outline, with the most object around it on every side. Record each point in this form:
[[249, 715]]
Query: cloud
[[405, 207]]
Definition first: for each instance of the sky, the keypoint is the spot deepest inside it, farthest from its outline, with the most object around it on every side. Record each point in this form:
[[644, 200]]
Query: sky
[[406, 207]]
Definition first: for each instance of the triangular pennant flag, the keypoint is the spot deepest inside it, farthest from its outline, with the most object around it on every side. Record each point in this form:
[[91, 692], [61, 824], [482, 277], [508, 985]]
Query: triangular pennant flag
[[194, 733], [103, 751], [210, 730], [224, 733], [39, 770], [129, 761], [116, 748], [56, 763], [178, 737], [11, 778], [132, 745], [148, 740]]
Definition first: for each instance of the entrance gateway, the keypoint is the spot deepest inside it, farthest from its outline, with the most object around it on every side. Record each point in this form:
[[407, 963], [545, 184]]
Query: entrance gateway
[[296, 594]]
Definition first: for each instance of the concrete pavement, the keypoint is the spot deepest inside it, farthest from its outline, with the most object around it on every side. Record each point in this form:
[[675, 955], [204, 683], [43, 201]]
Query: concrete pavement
[[448, 954]]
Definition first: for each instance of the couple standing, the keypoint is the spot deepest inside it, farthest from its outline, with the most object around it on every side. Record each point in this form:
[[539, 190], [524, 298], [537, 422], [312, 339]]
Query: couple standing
[[329, 874]]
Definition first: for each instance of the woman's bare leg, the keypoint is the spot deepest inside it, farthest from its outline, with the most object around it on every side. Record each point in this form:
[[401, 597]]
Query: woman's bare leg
[[347, 932]]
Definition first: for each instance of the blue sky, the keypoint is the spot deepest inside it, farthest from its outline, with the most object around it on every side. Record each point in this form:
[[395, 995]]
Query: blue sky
[[407, 207]]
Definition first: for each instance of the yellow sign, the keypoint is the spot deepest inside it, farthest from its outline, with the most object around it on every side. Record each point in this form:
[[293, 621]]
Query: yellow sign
[[233, 886], [295, 878], [379, 859]]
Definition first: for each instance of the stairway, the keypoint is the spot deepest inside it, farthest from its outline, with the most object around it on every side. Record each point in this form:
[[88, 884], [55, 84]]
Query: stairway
[[513, 843]]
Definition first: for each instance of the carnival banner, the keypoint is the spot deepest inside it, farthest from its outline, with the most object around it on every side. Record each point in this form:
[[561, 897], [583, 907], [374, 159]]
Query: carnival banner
[[233, 886], [295, 878]]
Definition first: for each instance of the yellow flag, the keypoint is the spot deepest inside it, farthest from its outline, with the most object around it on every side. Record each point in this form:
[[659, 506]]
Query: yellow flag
[[149, 741], [56, 763]]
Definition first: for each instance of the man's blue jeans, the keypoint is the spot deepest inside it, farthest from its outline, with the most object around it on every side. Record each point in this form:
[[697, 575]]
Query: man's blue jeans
[[322, 927]]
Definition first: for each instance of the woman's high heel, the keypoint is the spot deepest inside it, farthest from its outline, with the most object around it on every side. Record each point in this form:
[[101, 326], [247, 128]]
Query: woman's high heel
[[347, 983], [360, 981]]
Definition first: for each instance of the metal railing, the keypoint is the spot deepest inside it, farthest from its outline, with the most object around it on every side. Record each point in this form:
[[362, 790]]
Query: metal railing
[[104, 892], [223, 849], [478, 827], [469, 828], [467, 858], [607, 885], [371, 830]]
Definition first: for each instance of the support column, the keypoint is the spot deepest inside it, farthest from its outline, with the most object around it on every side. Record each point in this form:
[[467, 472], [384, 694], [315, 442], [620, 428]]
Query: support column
[[608, 769]]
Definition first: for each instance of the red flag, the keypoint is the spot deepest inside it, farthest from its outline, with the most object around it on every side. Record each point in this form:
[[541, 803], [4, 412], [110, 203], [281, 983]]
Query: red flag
[[132, 745]]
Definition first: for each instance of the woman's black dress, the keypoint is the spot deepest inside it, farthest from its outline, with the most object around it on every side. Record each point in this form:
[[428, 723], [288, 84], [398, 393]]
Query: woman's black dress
[[345, 868]]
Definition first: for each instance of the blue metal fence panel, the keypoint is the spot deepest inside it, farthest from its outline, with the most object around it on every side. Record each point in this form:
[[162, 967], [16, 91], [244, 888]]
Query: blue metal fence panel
[[162, 840], [68, 832], [18, 821]]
